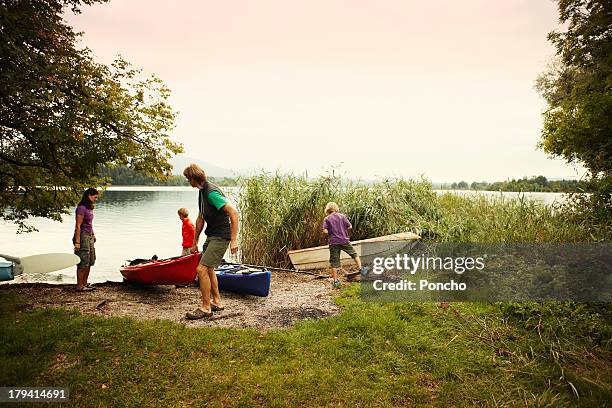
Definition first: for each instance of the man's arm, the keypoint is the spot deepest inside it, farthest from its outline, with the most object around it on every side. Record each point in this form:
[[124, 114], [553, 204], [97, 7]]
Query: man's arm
[[233, 215], [198, 230]]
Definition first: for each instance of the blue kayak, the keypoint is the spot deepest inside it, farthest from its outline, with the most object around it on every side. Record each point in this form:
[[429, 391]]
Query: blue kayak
[[240, 279]]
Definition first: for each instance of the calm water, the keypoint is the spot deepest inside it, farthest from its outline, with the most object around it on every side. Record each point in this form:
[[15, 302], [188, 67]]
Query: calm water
[[130, 222]]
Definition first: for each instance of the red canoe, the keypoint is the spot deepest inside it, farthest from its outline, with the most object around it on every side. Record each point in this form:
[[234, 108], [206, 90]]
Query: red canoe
[[179, 271]]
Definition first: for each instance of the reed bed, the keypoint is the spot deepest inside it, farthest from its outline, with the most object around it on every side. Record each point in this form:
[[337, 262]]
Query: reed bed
[[284, 212]]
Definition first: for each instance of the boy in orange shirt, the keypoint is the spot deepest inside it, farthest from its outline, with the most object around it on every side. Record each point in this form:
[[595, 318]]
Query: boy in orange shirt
[[188, 231]]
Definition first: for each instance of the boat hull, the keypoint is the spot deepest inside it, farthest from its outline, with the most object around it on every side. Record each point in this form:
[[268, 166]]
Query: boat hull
[[254, 283], [183, 271], [367, 249], [179, 271]]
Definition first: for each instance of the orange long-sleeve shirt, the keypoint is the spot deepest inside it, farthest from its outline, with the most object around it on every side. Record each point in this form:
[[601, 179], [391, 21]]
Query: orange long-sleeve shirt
[[188, 233]]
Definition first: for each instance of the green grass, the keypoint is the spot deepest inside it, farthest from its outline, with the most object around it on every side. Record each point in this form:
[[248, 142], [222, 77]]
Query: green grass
[[369, 355]]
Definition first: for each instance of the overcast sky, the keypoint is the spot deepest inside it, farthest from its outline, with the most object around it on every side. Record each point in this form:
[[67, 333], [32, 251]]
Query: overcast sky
[[379, 88]]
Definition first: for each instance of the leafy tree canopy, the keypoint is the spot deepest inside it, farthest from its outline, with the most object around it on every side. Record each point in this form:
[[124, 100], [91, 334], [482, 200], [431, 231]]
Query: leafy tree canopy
[[577, 88], [62, 115]]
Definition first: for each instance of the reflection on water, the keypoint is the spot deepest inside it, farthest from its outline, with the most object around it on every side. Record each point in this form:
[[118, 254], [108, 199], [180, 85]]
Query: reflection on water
[[130, 222]]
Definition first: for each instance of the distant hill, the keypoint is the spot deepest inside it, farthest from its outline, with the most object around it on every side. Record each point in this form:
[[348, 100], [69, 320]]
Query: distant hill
[[179, 162]]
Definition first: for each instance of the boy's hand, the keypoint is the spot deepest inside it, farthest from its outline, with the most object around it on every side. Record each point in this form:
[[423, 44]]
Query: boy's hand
[[233, 246]]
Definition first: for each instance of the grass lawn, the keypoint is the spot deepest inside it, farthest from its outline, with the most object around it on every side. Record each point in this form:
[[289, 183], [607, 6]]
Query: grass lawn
[[460, 354]]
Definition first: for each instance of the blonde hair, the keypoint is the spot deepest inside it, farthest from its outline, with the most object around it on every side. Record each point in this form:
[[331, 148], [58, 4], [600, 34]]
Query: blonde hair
[[331, 207], [194, 172], [184, 212]]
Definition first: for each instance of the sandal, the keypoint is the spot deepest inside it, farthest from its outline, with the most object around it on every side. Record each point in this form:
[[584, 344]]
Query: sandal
[[198, 313], [85, 289], [216, 308]]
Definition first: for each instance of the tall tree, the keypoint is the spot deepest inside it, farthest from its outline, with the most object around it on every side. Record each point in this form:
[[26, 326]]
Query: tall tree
[[62, 115], [577, 88]]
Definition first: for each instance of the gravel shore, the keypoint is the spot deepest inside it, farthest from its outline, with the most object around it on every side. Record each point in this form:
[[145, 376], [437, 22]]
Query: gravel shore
[[293, 297]]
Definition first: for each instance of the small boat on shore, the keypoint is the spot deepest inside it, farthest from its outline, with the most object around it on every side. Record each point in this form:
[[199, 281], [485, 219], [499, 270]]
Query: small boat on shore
[[173, 271], [244, 280], [367, 249], [183, 271]]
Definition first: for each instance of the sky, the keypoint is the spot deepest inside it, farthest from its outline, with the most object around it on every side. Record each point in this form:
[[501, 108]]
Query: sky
[[440, 89]]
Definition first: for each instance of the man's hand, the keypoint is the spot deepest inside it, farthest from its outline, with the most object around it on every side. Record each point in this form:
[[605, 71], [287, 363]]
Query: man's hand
[[233, 246], [194, 247]]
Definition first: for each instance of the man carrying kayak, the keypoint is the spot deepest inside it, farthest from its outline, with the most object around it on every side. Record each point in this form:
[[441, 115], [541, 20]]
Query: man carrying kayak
[[221, 220]]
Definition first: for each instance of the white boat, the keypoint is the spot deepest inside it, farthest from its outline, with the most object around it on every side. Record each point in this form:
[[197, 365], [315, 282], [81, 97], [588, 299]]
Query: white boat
[[367, 249]]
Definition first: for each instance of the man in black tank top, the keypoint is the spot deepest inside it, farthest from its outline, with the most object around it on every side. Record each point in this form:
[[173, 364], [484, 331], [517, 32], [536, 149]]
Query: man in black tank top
[[221, 220]]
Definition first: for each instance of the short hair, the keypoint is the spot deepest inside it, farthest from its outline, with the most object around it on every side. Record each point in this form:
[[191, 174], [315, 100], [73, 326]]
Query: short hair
[[194, 172], [184, 212], [331, 207]]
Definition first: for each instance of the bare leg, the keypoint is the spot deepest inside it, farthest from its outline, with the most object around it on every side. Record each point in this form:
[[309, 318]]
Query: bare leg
[[358, 262], [86, 275], [334, 273], [214, 286], [81, 279], [204, 287]]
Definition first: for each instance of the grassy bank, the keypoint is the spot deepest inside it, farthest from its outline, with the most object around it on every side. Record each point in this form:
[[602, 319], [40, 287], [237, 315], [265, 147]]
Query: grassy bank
[[371, 354], [396, 354], [283, 212]]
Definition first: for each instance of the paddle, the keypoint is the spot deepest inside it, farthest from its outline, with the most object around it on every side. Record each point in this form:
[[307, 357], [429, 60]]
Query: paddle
[[42, 263]]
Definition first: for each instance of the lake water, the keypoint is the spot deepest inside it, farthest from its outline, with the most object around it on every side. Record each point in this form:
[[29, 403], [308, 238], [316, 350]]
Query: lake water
[[131, 222]]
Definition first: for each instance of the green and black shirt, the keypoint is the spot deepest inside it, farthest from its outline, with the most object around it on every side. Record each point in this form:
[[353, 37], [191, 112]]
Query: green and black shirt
[[210, 202]]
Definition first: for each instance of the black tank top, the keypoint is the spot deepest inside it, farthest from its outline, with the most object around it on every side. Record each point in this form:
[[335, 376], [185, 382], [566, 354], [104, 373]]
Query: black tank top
[[217, 221]]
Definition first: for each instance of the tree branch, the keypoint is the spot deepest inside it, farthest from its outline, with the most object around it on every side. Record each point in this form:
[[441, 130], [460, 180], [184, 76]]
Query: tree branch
[[22, 164]]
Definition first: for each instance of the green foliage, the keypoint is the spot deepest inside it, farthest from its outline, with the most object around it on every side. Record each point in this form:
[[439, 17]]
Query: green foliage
[[499, 219], [577, 88], [125, 176], [284, 212], [62, 114], [533, 184]]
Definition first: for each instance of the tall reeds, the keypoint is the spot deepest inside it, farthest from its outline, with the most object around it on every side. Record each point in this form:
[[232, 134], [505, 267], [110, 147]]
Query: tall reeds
[[284, 212]]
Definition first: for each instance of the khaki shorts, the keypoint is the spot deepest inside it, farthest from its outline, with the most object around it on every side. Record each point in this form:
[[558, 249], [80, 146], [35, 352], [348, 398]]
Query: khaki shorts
[[87, 253], [186, 251], [213, 251], [334, 253]]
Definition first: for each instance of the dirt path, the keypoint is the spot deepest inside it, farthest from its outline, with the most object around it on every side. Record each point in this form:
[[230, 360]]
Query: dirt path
[[293, 297]]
